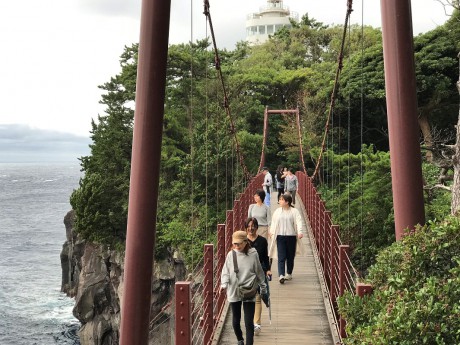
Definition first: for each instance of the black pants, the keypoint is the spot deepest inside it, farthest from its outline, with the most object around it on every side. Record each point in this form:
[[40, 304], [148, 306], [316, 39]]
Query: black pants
[[293, 192], [280, 192], [249, 308], [286, 246]]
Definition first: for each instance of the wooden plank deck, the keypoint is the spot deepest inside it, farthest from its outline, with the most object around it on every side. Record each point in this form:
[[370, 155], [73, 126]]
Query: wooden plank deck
[[299, 311]]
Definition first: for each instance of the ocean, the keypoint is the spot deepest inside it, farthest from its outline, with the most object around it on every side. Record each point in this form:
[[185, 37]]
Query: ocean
[[34, 198]]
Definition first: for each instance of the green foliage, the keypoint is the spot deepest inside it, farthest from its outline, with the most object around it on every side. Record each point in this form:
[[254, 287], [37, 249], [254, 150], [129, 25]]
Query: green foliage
[[359, 195], [101, 201], [437, 72], [199, 170], [437, 201], [416, 298], [358, 192], [364, 84], [200, 173]]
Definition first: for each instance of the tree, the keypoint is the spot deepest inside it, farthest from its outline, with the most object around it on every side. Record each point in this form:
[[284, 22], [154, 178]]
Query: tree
[[455, 206], [196, 176], [101, 201], [435, 53]]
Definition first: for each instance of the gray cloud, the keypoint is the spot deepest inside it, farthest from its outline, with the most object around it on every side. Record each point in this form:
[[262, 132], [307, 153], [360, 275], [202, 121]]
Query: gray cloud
[[20, 143]]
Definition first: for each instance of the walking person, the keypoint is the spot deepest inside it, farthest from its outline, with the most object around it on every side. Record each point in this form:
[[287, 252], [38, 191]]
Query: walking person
[[249, 271], [291, 184], [280, 175], [260, 244], [267, 185], [285, 229], [261, 212]]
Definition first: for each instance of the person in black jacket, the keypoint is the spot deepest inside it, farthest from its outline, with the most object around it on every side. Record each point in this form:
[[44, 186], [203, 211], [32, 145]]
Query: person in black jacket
[[281, 173], [260, 244]]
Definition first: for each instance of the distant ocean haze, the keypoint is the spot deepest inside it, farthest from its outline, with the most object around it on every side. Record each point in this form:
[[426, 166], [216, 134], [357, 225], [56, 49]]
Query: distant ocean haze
[[34, 198], [21, 143]]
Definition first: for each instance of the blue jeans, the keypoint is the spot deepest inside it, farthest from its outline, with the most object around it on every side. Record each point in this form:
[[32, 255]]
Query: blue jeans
[[286, 246], [267, 199]]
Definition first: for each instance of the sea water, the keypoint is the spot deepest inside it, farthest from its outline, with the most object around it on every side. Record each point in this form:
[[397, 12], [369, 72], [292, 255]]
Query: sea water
[[34, 198]]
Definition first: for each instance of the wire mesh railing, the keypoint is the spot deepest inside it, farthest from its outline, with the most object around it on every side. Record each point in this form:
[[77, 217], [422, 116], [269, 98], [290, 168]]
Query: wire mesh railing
[[199, 301], [338, 271]]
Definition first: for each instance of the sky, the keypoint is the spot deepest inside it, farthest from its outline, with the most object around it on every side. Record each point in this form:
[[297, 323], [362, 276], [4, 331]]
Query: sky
[[57, 52]]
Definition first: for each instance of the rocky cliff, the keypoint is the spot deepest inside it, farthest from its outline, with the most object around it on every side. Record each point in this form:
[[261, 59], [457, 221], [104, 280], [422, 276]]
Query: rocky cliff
[[93, 275]]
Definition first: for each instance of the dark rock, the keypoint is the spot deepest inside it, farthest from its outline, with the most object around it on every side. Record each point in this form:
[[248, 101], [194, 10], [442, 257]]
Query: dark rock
[[93, 274]]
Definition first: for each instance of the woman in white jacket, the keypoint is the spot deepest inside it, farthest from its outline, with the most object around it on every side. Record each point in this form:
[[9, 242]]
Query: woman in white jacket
[[249, 269], [285, 229]]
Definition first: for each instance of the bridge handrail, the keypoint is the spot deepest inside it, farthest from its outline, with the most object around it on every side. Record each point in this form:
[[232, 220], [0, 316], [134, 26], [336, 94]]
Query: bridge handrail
[[338, 271], [198, 325]]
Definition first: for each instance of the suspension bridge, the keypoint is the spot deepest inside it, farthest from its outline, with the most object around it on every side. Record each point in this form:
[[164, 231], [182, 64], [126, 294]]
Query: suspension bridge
[[304, 310]]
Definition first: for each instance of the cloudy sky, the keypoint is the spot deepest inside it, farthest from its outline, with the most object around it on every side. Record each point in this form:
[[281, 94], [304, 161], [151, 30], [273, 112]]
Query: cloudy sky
[[56, 52]]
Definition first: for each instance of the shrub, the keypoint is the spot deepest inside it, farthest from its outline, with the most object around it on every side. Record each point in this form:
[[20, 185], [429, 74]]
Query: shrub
[[416, 298]]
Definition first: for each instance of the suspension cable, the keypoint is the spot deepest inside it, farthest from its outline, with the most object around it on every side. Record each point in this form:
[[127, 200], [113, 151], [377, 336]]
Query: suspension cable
[[336, 86], [332, 156], [349, 158], [264, 140], [206, 138], [224, 90], [299, 130], [192, 149], [348, 141], [361, 127]]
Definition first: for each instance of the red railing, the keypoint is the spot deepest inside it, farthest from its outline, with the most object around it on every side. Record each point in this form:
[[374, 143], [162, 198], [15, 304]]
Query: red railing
[[200, 303], [334, 256]]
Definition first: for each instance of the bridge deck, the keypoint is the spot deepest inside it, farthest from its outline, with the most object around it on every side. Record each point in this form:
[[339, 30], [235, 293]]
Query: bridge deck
[[299, 313]]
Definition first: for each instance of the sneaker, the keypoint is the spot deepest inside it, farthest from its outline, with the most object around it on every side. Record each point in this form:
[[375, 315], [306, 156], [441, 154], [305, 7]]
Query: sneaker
[[240, 342], [288, 277], [257, 329], [281, 279]]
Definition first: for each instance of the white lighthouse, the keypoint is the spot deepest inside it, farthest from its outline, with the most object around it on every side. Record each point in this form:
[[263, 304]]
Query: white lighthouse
[[267, 21]]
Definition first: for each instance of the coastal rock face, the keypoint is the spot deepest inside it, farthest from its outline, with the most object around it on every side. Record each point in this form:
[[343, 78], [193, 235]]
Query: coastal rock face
[[94, 276]]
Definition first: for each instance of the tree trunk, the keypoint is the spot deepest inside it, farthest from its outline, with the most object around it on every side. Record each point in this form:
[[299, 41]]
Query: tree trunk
[[426, 131], [455, 205]]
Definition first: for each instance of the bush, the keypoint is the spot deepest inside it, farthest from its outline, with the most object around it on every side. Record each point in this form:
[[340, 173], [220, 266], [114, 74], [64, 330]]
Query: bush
[[416, 297]]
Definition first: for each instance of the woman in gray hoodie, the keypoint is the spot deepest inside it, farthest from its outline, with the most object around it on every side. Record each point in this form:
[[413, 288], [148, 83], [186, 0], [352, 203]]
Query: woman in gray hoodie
[[249, 269]]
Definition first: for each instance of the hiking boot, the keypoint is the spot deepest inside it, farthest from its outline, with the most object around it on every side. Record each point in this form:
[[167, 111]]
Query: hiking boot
[[257, 329], [281, 279], [288, 277]]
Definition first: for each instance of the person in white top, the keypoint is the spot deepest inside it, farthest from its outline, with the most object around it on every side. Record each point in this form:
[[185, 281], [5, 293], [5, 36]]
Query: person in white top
[[267, 185], [285, 229]]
